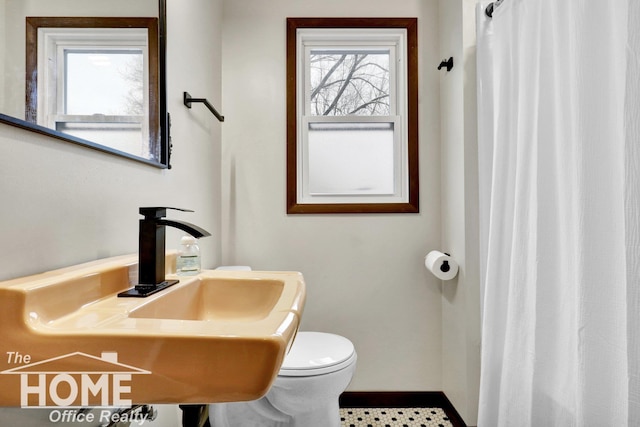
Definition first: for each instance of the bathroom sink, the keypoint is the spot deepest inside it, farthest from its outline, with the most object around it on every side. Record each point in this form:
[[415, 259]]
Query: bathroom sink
[[219, 336], [216, 298]]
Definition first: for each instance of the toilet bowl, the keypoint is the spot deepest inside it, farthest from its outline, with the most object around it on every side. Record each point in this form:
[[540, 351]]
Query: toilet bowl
[[316, 371]]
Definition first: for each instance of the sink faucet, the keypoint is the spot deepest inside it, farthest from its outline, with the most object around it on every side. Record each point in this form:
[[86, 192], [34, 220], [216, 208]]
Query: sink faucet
[[151, 263]]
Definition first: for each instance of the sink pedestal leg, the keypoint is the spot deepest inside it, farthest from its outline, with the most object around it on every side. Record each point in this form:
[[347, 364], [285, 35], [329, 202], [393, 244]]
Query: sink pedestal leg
[[195, 416]]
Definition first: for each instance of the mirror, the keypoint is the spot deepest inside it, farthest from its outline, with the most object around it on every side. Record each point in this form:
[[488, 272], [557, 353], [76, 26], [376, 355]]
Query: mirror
[[128, 38]]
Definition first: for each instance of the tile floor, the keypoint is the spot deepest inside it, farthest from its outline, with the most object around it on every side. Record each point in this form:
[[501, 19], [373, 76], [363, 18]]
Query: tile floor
[[394, 417]]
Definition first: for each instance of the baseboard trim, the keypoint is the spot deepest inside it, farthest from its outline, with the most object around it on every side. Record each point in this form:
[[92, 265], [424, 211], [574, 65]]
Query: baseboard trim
[[401, 399]]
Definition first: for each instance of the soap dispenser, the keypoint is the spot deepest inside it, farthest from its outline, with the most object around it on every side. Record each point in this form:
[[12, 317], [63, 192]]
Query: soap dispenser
[[188, 261]]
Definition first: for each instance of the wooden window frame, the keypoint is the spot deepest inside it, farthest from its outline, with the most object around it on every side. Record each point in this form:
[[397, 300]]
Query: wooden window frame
[[411, 55]]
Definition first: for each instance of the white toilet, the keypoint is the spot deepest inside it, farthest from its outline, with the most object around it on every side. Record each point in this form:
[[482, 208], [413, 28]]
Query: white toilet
[[316, 371]]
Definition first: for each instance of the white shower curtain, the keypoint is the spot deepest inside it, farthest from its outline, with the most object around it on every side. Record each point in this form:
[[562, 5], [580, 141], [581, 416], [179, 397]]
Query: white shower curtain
[[559, 150]]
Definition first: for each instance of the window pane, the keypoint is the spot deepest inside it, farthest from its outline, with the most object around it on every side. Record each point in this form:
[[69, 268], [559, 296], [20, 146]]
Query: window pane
[[347, 82], [104, 82], [351, 158], [125, 137]]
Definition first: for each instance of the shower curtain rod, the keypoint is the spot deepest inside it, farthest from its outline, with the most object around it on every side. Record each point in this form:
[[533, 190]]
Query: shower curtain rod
[[491, 7]]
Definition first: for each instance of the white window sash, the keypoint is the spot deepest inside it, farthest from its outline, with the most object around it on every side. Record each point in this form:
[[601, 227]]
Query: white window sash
[[354, 39], [55, 42], [400, 162]]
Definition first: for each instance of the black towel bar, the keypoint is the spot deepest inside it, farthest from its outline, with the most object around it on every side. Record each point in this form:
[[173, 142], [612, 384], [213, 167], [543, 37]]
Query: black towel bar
[[188, 100]]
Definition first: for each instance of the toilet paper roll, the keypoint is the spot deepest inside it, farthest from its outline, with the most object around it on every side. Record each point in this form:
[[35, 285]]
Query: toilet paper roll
[[441, 265]]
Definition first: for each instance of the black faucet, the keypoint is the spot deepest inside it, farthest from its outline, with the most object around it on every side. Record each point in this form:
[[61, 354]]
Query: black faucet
[[151, 265]]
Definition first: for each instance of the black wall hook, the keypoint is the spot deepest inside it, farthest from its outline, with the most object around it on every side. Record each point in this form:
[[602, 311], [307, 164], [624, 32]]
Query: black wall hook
[[446, 63]]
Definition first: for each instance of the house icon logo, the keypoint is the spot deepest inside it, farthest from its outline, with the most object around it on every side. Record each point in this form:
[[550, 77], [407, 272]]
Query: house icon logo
[[76, 380]]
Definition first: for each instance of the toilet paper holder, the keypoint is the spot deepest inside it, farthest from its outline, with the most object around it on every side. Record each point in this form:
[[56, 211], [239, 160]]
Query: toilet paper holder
[[441, 264], [445, 264]]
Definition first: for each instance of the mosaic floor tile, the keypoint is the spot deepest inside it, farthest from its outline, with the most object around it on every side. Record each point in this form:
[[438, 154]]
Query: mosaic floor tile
[[394, 417]]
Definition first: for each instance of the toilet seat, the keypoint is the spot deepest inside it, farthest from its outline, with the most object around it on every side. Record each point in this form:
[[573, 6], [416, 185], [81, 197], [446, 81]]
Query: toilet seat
[[317, 353]]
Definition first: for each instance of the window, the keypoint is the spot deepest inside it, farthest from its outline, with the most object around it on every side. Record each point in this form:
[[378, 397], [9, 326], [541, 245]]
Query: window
[[352, 115]]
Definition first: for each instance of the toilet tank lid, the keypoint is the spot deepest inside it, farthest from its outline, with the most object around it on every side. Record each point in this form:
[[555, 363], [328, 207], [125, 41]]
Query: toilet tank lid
[[234, 267], [316, 350]]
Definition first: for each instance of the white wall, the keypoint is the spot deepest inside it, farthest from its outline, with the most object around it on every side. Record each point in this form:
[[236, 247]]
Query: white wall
[[364, 273], [63, 204], [3, 36], [460, 297]]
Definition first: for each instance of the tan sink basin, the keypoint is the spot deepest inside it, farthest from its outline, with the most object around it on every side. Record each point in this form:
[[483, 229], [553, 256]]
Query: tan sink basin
[[68, 340], [216, 298]]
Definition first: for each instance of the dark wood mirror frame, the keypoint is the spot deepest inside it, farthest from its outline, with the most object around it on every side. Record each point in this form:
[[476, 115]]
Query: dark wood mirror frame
[[412, 205], [159, 119]]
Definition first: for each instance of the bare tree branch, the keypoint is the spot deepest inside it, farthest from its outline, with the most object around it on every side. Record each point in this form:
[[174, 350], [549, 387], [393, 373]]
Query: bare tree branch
[[345, 84], [349, 83], [366, 104], [326, 77]]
